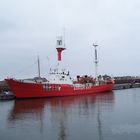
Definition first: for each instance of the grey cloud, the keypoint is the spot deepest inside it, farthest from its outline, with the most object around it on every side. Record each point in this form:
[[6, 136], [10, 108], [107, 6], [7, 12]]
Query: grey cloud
[[33, 25]]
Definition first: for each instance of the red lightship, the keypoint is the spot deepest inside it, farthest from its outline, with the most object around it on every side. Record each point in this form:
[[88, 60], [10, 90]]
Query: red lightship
[[59, 83]]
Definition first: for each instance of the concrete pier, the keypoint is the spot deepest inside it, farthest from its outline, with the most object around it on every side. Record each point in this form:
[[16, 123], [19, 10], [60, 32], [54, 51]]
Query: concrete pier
[[126, 86]]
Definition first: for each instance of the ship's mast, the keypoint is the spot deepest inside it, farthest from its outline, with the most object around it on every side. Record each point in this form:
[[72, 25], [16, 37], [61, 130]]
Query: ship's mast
[[96, 61], [38, 62]]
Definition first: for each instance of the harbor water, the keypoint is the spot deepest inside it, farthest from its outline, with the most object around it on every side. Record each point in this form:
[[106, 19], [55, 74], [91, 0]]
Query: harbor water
[[105, 116]]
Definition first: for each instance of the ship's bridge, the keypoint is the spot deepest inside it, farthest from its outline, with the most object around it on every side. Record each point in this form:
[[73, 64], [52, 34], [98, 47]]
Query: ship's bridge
[[59, 76]]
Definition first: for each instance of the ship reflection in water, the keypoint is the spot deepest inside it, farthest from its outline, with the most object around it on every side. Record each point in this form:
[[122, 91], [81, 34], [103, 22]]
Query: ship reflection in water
[[74, 117]]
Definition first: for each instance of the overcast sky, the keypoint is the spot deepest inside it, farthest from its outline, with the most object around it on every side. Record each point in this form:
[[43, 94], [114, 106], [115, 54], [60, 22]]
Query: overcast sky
[[29, 28]]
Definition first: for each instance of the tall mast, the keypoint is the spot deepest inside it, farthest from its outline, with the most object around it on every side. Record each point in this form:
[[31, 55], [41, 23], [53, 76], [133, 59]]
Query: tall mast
[[64, 37], [38, 62], [96, 60]]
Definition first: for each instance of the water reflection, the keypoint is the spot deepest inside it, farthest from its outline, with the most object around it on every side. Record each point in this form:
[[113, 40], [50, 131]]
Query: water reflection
[[23, 108], [46, 116]]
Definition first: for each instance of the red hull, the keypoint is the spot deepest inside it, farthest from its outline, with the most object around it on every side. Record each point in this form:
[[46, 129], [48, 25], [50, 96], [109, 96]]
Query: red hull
[[34, 90]]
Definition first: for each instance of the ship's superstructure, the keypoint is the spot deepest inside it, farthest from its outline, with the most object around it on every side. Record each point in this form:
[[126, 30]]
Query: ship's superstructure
[[59, 75]]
